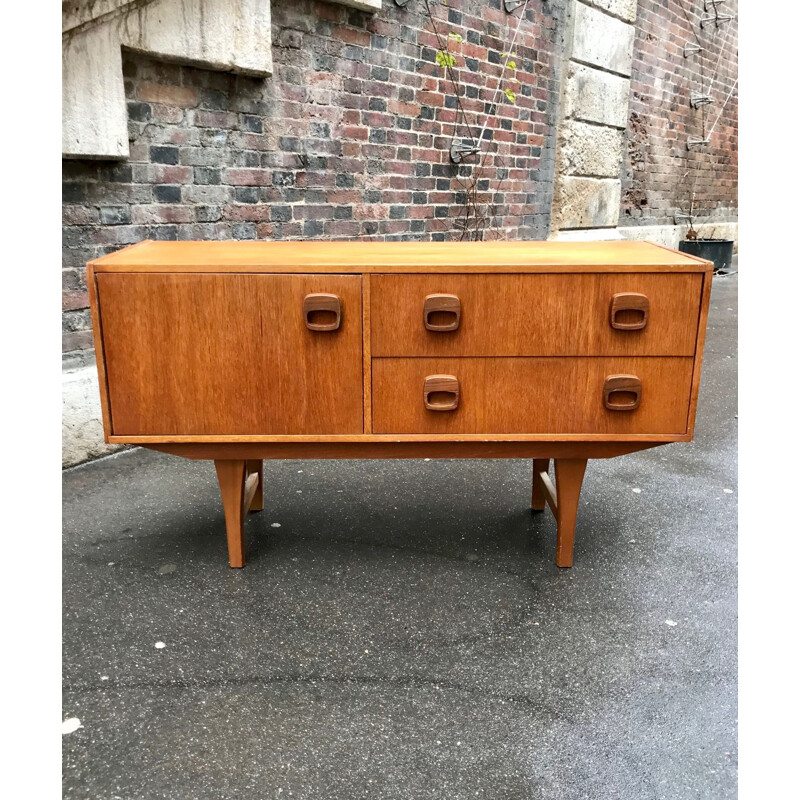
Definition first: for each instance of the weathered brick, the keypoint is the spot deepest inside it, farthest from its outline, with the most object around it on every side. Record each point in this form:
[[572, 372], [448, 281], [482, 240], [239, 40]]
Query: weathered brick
[[115, 215], [660, 177], [164, 155], [167, 194], [167, 95], [247, 177]]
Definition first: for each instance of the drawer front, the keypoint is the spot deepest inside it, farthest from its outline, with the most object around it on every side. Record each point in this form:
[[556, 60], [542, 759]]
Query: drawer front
[[535, 315], [531, 395], [191, 354]]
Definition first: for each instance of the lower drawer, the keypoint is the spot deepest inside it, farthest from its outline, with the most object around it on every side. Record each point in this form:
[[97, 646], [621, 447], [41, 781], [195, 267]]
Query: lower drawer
[[531, 395]]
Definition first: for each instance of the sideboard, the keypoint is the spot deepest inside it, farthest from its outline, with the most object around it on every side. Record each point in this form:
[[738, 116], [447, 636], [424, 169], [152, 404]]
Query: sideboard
[[244, 351]]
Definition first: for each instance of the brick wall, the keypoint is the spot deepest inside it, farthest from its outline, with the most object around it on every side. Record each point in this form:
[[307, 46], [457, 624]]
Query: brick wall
[[348, 139], [659, 174]]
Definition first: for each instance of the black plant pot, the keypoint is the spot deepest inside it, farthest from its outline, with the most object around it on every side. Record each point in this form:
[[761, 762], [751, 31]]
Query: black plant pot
[[720, 251]]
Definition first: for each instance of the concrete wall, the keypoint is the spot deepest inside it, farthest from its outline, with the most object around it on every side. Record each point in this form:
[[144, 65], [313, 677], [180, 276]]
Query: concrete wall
[[82, 426]]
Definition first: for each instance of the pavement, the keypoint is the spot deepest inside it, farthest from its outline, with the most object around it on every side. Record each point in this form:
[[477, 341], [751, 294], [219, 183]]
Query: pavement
[[401, 629]]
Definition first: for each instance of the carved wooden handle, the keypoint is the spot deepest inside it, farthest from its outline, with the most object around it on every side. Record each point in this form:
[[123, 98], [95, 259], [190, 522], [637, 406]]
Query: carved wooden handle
[[441, 392], [622, 393], [629, 311], [441, 312], [322, 312]]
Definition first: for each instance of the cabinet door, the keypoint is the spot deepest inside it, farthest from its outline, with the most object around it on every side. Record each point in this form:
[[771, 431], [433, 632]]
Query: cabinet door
[[192, 354]]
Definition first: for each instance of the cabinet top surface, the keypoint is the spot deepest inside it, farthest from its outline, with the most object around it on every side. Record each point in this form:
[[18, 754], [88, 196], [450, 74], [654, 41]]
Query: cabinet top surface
[[349, 256]]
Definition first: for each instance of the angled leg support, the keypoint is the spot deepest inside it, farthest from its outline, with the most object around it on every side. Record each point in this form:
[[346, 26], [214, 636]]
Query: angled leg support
[[539, 495], [257, 468]]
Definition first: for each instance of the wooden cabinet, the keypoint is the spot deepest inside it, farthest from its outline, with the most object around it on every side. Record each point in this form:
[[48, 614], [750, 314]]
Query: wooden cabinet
[[240, 351]]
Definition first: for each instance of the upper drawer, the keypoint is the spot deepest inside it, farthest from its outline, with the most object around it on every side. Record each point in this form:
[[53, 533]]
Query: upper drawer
[[535, 315]]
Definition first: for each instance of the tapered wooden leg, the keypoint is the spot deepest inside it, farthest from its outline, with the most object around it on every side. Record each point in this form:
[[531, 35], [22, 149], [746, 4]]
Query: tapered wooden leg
[[538, 501], [569, 477], [257, 467], [232, 476]]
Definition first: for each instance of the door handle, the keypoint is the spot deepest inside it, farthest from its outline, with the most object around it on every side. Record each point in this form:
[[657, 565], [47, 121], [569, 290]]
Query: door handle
[[622, 392], [441, 312], [629, 311], [322, 312], [441, 392]]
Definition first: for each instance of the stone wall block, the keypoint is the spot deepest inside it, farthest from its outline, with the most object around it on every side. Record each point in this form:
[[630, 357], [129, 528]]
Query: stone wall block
[[82, 418], [590, 149], [94, 117], [588, 203], [227, 35], [624, 9], [597, 96], [602, 41]]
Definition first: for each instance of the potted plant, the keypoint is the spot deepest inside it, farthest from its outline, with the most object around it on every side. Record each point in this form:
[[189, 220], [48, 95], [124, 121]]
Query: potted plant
[[720, 251]]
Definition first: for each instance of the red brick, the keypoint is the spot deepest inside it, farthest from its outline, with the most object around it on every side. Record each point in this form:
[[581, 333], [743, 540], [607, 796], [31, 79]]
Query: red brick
[[247, 177]]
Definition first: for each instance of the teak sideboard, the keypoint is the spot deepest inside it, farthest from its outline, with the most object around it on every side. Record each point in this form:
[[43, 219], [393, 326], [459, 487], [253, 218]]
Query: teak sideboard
[[241, 351]]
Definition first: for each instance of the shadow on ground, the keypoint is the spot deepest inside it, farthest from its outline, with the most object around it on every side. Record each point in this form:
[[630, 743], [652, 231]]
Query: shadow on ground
[[401, 630]]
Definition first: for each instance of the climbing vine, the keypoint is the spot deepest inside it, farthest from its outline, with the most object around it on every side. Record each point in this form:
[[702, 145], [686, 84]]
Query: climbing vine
[[479, 210]]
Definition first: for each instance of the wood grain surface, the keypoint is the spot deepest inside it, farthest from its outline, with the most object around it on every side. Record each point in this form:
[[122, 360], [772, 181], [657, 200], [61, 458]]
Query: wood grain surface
[[229, 354], [317, 256], [535, 315], [531, 395]]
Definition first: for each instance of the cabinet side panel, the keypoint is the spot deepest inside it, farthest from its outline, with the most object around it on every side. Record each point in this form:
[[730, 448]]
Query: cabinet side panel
[[97, 334], [700, 344]]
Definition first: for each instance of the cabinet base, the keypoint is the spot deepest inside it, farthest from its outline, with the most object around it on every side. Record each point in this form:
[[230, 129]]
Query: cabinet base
[[240, 474]]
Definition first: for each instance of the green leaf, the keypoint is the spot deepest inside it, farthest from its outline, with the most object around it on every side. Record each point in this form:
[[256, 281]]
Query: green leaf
[[510, 96], [456, 36], [444, 59], [511, 64]]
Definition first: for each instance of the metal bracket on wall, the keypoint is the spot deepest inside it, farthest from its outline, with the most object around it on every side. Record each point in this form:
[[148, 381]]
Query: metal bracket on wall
[[401, 3], [690, 48], [713, 4], [695, 141], [512, 5], [696, 100], [716, 19], [461, 150]]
